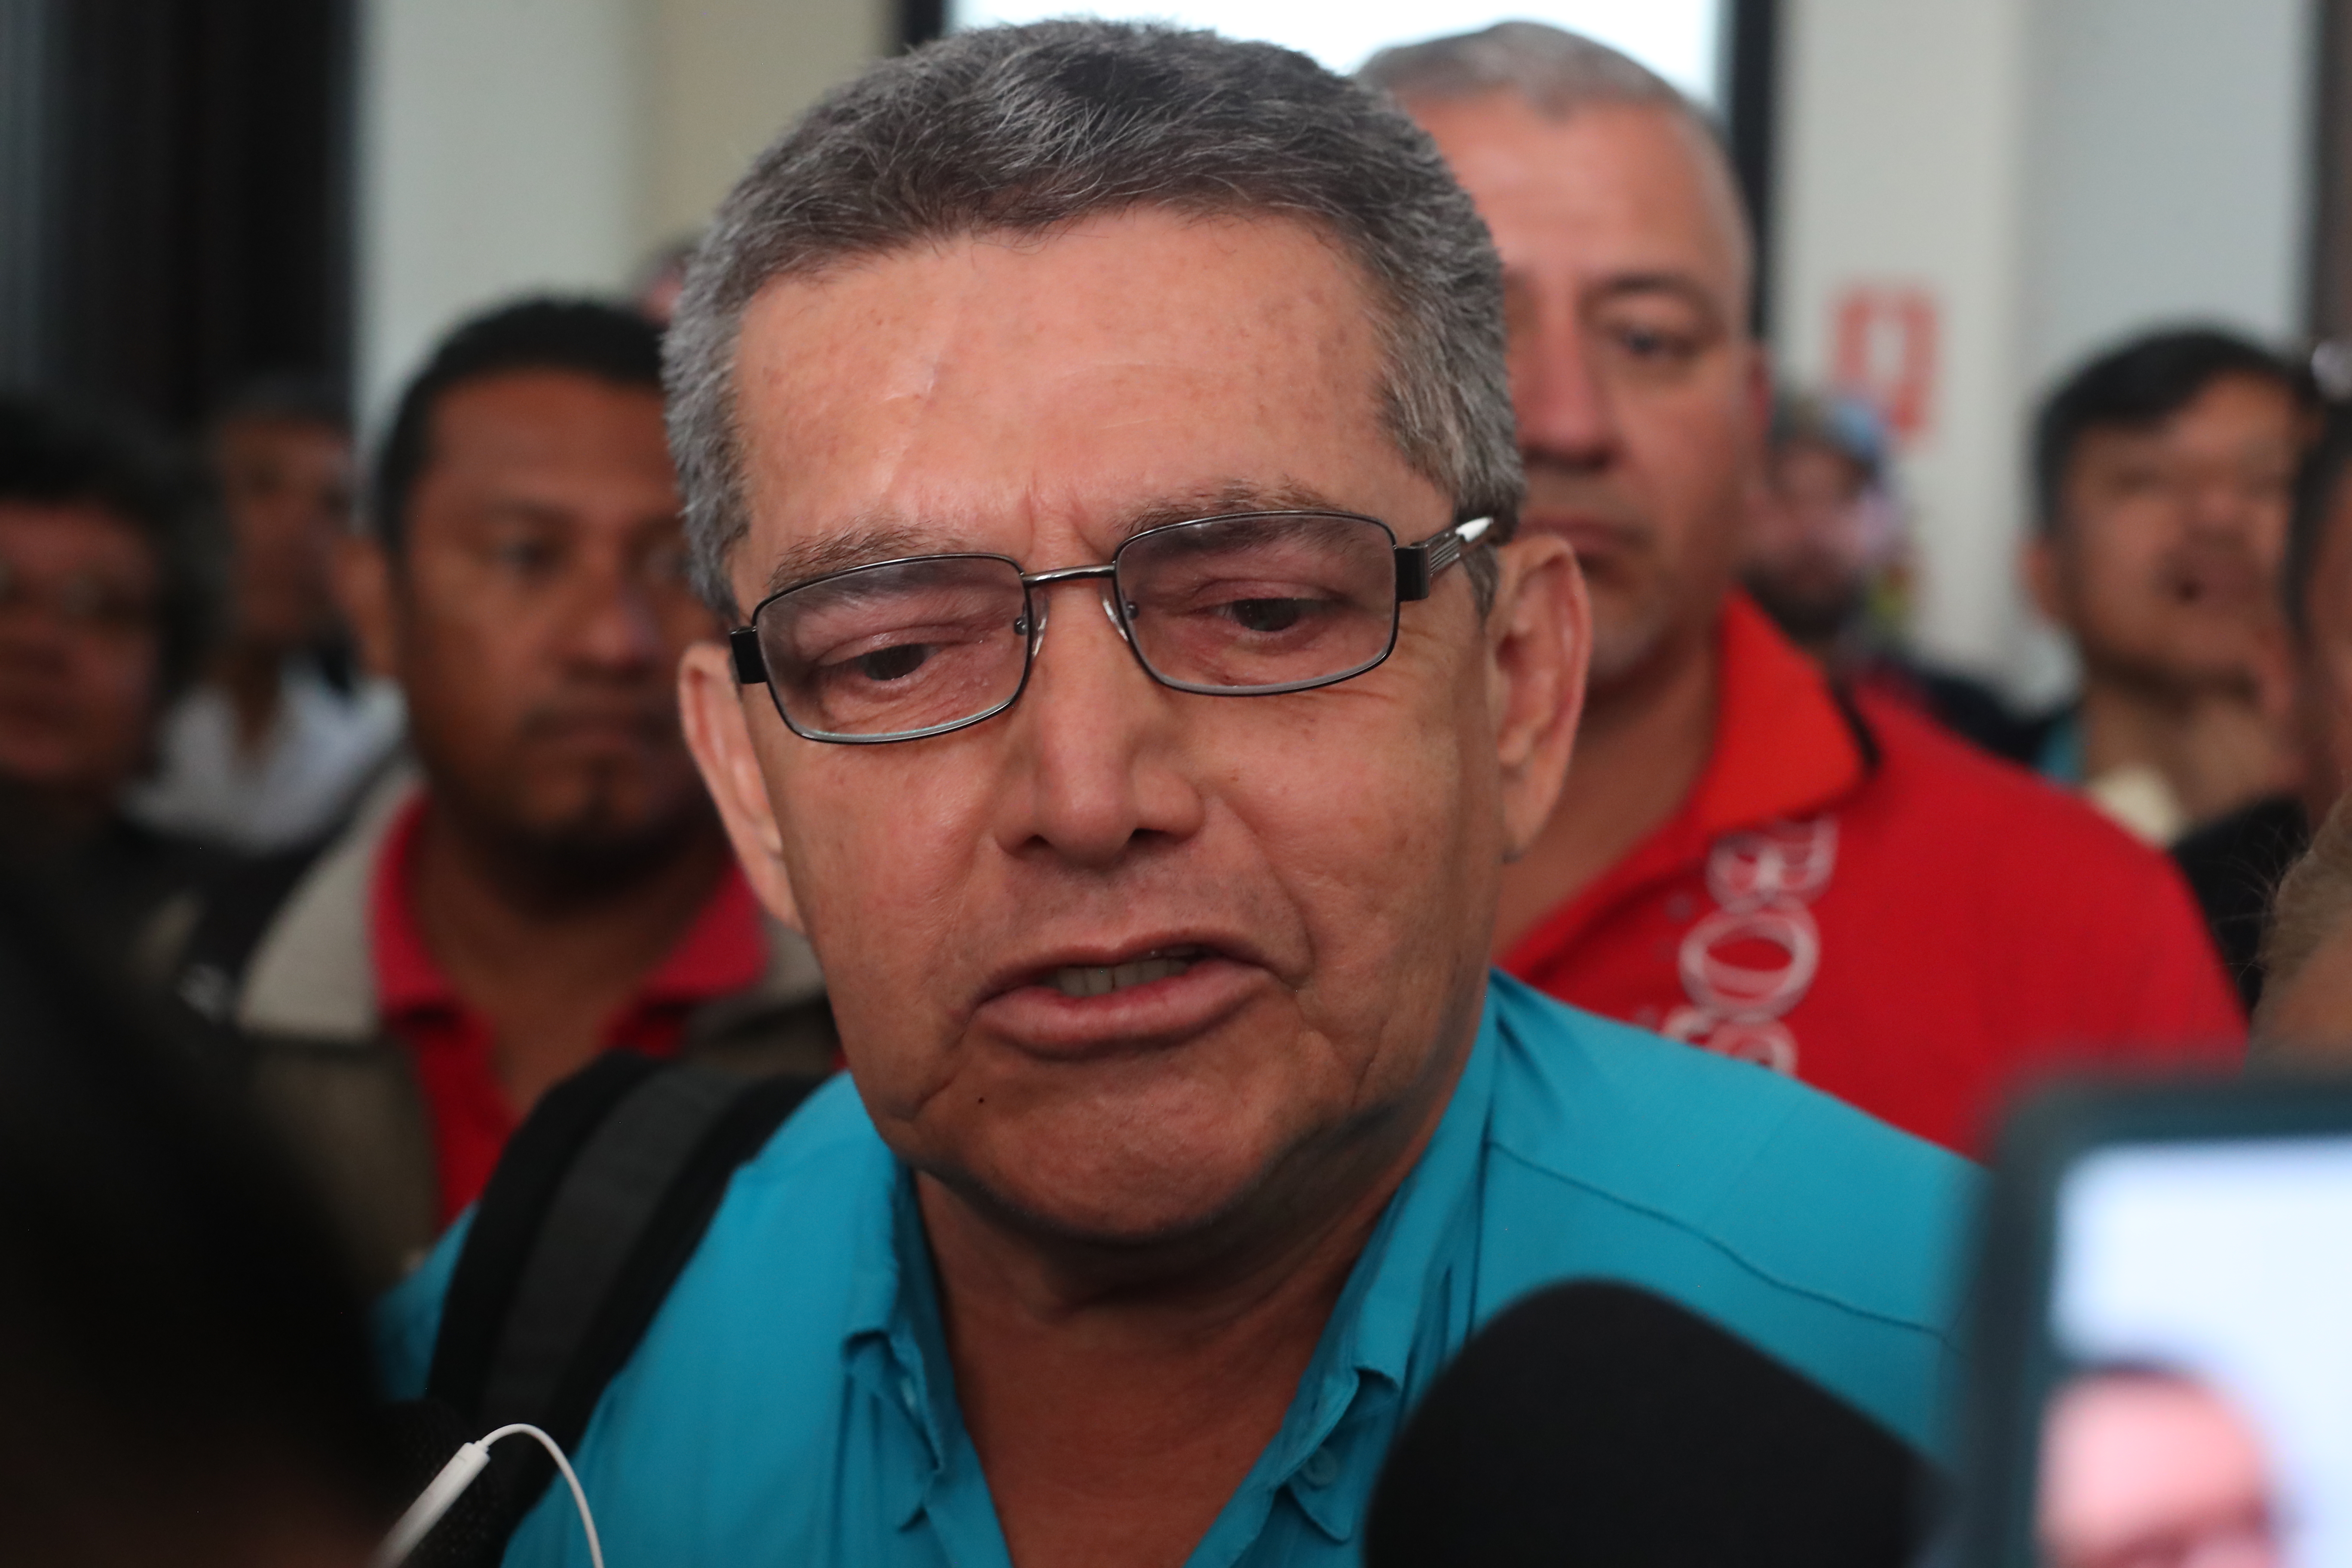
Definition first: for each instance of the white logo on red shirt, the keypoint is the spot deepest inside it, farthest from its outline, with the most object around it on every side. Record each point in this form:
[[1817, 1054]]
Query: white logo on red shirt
[[1762, 880]]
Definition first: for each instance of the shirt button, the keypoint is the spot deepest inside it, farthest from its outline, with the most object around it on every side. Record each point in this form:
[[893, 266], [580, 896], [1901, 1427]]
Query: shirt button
[[1321, 1468], [907, 1392]]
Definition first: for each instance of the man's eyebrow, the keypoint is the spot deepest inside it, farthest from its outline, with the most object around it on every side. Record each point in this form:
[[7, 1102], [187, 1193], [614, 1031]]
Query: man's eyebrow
[[1636, 284], [1222, 500], [874, 540], [859, 544]]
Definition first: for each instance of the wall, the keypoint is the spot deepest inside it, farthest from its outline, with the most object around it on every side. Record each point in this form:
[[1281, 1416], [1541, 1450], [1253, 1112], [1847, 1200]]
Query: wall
[[500, 144], [2169, 174], [1900, 147], [2046, 175], [509, 146], [727, 75]]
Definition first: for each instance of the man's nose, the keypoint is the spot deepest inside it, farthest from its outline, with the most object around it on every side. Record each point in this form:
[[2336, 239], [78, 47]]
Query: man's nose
[[1098, 762], [2221, 507], [34, 634], [611, 624], [1566, 409]]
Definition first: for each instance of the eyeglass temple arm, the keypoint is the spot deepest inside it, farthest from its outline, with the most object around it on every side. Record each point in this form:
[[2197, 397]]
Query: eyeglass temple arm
[[751, 664], [1418, 565]]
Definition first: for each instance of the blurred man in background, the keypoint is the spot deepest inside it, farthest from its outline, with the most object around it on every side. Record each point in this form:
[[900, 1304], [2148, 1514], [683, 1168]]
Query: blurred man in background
[[107, 607], [274, 744], [1741, 858], [1826, 535], [2235, 863], [1826, 554], [2162, 471], [557, 884]]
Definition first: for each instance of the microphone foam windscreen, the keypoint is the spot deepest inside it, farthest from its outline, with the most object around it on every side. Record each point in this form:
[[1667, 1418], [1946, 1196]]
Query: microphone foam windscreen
[[1596, 1423]]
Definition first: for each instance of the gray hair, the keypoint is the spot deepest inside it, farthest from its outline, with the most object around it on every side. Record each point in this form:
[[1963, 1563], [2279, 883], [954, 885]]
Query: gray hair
[[1026, 130], [1558, 73]]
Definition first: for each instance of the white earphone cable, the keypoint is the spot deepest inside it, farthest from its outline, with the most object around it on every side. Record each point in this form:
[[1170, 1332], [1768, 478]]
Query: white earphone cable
[[459, 1473]]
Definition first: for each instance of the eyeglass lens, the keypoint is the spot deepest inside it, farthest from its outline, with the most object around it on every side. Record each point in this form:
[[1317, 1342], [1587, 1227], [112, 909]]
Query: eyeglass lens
[[1230, 605]]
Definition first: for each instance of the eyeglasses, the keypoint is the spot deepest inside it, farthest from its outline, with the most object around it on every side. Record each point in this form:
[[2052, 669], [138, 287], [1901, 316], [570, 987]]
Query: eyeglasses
[[86, 603], [1247, 604]]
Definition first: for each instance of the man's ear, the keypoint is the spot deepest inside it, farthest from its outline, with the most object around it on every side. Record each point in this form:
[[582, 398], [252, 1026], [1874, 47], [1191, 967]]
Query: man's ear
[[711, 704], [2041, 569], [1539, 639], [361, 582]]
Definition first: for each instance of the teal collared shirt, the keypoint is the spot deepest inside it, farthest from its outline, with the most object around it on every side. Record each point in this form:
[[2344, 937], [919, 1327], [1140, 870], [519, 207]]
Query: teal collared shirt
[[793, 1401]]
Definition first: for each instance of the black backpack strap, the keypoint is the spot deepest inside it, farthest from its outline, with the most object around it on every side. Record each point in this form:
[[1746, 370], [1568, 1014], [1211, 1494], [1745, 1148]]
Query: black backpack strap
[[598, 1203], [507, 1222]]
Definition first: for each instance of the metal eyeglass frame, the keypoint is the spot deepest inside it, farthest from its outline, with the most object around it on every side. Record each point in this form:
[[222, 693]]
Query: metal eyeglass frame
[[1418, 567]]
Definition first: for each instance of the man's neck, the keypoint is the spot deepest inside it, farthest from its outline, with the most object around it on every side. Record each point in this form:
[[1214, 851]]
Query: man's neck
[[1640, 747], [1115, 1410], [2211, 745], [253, 678], [547, 971], [44, 822]]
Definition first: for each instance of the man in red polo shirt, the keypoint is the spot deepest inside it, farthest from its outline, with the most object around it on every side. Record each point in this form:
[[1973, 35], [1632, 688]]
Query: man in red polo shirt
[[1745, 857], [556, 884]]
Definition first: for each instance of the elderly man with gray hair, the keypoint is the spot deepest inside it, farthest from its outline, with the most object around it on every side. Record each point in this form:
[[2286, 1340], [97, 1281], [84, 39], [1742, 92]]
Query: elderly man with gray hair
[[1099, 437]]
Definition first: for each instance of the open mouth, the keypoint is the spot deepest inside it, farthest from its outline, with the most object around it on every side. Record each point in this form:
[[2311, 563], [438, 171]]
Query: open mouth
[[1081, 981], [2211, 580]]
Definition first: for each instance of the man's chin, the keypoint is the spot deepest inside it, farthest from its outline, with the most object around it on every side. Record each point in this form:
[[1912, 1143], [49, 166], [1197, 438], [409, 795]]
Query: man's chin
[[593, 837], [1624, 643], [1112, 1193], [1119, 1219]]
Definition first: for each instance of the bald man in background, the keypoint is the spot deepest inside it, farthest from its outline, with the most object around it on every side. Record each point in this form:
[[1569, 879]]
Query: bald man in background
[[1745, 856]]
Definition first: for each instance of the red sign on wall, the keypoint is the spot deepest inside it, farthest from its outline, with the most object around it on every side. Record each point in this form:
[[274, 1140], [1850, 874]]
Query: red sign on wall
[[1883, 347]]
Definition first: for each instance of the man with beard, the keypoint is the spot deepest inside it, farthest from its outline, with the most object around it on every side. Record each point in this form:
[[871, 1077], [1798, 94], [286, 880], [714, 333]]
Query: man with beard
[[557, 884], [1825, 532], [1743, 856], [2162, 478], [1825, 551]]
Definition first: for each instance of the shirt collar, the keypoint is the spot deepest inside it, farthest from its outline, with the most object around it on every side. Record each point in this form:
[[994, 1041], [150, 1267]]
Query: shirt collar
[[1406, 1307], [408, 979], [1783, 746], [2060, 756]]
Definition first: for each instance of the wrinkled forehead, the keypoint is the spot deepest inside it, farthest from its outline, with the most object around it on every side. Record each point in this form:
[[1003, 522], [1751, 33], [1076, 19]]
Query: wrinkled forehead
[[989, 387]]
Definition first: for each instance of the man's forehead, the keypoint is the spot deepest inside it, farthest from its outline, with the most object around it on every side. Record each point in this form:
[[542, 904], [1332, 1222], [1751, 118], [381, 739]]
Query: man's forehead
[[925, 309], [1606, 189], [81, 530], [1145, 367]]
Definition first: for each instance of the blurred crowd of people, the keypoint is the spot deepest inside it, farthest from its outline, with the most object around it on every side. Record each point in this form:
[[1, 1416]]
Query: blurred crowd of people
[[353, 784]]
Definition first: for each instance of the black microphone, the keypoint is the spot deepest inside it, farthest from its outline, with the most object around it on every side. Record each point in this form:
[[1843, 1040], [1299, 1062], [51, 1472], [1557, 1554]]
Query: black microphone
[[1599, 1424]]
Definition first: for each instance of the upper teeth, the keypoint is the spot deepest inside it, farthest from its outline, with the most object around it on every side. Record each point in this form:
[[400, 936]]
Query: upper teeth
[[1079, 980]]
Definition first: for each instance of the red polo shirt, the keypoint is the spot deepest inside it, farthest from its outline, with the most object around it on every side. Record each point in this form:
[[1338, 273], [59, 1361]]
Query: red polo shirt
[[723, 951], [1855, 897]]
